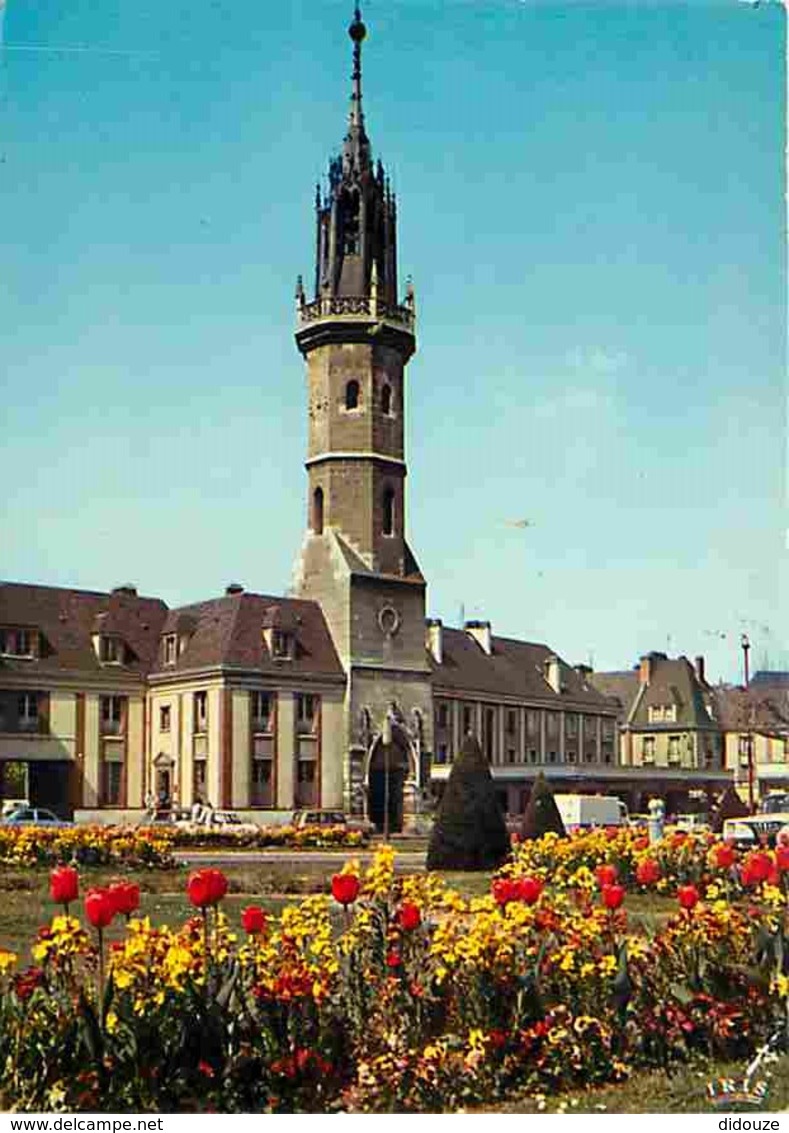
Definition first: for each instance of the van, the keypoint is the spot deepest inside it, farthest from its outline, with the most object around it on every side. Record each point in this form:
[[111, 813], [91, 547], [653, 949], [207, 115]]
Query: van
[[581, 812]]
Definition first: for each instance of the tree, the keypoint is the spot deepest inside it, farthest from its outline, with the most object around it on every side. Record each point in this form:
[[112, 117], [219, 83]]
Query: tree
[[469, 832], [542, 814]]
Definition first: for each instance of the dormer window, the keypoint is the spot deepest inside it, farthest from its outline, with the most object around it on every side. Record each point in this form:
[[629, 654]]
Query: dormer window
[[279, 642], [110, 650], [662, 713], [169, 649], [18, 642]]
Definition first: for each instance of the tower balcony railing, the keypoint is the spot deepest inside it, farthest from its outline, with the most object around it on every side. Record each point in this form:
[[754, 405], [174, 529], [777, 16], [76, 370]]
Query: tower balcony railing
[[353, 307]]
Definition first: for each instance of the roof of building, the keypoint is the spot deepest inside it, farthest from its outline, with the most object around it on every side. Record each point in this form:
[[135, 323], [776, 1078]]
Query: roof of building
[[229, 631], [222, 631], [618, 687], [673, 681], [770, 678], [513, 668], [68, 619], [755, 709]]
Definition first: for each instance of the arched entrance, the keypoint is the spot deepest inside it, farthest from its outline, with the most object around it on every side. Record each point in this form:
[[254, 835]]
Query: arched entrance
[[388, 771]]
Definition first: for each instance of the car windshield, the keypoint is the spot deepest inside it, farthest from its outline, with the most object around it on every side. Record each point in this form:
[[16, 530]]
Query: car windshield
[[775, 804]]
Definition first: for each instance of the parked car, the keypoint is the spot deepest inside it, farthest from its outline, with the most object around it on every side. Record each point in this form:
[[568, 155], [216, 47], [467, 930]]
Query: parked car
[[215, 821], [690, 824], [333, 818], [756, 829], [34, 816]]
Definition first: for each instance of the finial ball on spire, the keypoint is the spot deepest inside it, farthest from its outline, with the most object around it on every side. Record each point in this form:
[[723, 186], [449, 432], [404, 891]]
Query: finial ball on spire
[[357, 31]]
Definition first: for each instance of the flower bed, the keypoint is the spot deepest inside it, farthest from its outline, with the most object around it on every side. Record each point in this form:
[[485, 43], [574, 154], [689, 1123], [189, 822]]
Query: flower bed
[[87, 845], [392, 994], [287, 837]]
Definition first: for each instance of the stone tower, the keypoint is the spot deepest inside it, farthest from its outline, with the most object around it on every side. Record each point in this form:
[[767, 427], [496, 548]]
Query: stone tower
[[357, 338]]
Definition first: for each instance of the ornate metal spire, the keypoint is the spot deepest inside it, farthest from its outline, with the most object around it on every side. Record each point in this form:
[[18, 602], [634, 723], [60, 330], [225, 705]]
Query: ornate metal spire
[[358, 32], [356, 150]]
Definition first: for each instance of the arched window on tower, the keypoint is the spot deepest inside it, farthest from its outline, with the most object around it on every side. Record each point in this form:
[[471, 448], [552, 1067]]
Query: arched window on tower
[[352, 395], [317, 511], [388, 516], [386, 399]]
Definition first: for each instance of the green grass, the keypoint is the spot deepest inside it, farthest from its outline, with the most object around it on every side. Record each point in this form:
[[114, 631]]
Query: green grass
[[684, 1090]]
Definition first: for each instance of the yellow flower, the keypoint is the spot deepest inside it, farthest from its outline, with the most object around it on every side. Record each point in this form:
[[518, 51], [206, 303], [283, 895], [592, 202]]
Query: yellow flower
[[780, 985], [7, 961], [608, 965]]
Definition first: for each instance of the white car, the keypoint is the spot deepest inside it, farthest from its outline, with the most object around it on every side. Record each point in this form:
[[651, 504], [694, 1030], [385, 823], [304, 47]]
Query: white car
[[756, 829], [34, 816], [224, 821]]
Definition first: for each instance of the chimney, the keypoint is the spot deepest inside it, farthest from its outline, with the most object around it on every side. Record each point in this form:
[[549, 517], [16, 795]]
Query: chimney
[[480, 631], [233, 588], [128, 590], [645, 669], [552, 672], [700, 670], [434, 639]]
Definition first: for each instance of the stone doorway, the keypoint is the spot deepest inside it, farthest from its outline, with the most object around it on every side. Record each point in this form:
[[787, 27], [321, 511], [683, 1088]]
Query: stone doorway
[[388, 771]]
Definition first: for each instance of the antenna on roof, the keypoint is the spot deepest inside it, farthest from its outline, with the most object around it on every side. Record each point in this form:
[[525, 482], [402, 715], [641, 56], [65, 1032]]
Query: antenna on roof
[[462, 614]]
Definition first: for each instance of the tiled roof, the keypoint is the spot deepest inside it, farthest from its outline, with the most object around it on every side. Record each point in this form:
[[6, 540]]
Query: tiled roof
[[229, 631], [514, 668], [67, 619], [223, 631], [619, 688], [770, 679], [738, 708], [672, 681]]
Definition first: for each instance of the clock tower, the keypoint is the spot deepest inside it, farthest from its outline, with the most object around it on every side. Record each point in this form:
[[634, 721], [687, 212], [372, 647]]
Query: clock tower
[[357, 336]]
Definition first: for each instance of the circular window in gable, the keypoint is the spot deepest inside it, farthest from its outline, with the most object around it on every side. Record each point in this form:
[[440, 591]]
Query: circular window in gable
[[388, 620]]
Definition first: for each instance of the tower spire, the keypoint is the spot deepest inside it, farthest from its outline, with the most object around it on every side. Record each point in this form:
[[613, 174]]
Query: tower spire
[[356, 151], [358, 32]]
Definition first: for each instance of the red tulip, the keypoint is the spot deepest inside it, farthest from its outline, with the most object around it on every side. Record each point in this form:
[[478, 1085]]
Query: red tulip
[[606, 874], [641, 843], [253, 919], [688, 896], [504, 890], [757, 867], [206, 887], [126, 897], [723, 855], [647, 872], [64, 884], [345, 888], [409, 916], [613, 896], [99, 907], [529, 890]]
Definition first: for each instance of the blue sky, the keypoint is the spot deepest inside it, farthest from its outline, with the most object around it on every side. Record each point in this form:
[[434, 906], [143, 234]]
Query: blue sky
[[591, 205]]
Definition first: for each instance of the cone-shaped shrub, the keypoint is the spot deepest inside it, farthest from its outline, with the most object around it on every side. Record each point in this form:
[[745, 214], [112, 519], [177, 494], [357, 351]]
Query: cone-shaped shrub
[[730, 806], [469, 832], [542, 814]]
